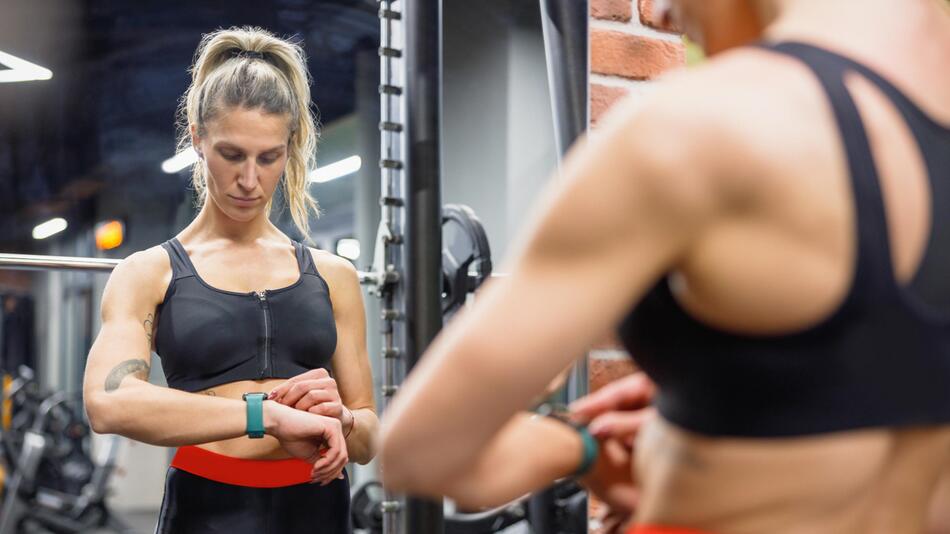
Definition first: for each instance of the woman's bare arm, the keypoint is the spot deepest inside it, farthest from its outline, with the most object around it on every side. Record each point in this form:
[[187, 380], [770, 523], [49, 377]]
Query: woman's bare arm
[[528, 453], [351, 366], [626, 210], [118, 397]]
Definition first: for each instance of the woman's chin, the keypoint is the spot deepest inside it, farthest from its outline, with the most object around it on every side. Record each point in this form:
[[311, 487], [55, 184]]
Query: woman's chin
[[237, 210], [243, 215]]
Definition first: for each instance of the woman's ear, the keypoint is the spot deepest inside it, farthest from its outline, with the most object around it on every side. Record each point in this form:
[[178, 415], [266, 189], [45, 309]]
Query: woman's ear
[[196, 141]]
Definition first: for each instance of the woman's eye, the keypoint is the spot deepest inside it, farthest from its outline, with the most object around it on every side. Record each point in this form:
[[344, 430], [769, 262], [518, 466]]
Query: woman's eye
[[267, 161], [231, 157]]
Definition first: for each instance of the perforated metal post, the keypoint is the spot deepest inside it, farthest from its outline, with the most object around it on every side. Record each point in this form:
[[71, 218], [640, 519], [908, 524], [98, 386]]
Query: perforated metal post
[[410, 127], [392, 188]]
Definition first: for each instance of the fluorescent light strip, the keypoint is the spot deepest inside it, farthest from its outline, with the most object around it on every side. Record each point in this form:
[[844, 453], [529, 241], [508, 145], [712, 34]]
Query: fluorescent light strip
[[336, 170], [50, 227], [180, 161], [21, 70]]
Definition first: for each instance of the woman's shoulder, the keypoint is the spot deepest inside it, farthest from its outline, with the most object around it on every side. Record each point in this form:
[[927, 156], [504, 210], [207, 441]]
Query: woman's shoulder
[[331, 265], [339, 272], [736, 119], [145, 273]]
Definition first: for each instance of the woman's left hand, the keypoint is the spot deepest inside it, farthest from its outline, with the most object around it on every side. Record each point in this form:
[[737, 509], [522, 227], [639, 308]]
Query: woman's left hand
[[316, 392]]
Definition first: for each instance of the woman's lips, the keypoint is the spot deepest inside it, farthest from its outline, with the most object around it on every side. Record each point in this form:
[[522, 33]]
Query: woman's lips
[[244, 201]]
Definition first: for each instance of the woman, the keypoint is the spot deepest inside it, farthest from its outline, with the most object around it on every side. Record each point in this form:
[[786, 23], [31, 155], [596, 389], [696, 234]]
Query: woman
[[769, 233], [260, 336]]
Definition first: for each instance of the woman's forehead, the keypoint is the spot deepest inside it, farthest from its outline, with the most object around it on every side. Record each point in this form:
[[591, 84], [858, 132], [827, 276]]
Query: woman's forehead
[[242, 124]]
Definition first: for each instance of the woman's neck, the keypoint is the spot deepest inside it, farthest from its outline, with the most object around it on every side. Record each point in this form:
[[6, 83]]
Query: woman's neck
[[904, 40], [212, 223], [846, 24]]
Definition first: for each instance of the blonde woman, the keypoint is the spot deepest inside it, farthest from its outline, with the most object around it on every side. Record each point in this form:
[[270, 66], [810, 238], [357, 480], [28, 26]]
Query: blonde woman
[[262, 339]]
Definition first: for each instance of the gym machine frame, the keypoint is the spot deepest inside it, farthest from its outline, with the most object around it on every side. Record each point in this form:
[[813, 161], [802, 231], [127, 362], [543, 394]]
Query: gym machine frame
[[410, 286]]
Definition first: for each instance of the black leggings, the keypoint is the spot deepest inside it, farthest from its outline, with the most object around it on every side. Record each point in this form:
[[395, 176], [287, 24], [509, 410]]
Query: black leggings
[[196, 505]]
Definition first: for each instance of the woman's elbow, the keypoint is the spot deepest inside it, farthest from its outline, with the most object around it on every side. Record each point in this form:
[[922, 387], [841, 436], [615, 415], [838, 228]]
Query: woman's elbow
[[365, 456], [100, 412], [398, 463], [394, 475], [407, 469]]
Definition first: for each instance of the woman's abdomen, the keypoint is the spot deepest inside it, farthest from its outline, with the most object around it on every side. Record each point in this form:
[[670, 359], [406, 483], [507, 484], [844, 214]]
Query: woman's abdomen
[[818, 485]]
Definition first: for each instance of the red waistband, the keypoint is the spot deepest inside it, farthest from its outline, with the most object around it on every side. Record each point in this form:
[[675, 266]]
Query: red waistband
[[241, 471], [648, 529]]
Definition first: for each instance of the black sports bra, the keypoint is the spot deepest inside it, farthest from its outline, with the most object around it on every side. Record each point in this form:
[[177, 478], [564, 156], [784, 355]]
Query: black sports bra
[[881, 360], [208, 336]]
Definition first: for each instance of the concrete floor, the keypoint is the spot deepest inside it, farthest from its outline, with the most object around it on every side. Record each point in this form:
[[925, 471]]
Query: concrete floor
[[141, 521]]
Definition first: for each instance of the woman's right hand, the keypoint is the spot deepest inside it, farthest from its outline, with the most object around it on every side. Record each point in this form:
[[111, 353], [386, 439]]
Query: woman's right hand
[[315, 439], [614, 415], [611, 477], [618, 410]]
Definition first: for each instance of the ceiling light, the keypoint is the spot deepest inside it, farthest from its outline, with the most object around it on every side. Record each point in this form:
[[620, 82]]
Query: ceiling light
[[180, 161], [336, 170], [50, 227], [21, 70], [349, 248]]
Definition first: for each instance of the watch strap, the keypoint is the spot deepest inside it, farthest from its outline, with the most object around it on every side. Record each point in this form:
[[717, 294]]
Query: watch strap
[[255, 414]]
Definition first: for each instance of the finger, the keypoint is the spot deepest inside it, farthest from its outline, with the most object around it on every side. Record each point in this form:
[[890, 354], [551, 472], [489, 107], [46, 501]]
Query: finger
[[300, 390], [328, 409], [315, 397], [336, 451], [323, 464], [338, 475], [328, 468], [336, 471], [633, 391], [338, 459], [313, 374], [621, 425], [616, 452], [325, 383], [296, 391]]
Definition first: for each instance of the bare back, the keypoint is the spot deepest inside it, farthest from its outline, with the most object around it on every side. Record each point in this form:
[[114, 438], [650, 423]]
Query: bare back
[[784, 262]]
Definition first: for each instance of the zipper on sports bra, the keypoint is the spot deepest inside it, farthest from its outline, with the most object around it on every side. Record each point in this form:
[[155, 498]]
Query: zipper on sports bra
[[262, 296]]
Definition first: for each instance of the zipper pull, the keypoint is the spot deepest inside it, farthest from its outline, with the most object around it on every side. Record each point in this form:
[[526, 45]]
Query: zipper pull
[[262, 295]]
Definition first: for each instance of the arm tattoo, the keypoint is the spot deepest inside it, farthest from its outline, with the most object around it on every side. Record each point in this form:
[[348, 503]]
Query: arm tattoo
[[149, 326], [137, 368]]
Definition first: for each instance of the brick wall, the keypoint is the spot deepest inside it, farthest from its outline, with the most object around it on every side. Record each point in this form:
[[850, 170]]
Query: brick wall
[[628, 48]]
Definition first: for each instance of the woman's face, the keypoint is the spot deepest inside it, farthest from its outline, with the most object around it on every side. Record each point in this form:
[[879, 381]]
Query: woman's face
[[245, 153], [716, 25]]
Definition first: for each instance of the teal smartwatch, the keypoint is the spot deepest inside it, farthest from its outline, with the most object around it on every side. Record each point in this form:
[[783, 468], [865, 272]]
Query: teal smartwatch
[[255, 414], [591, 447]]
